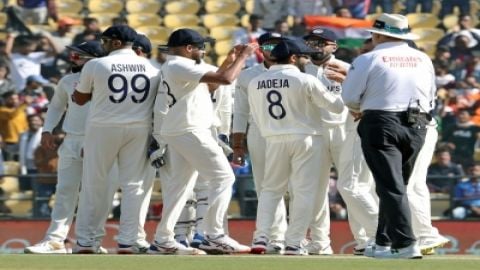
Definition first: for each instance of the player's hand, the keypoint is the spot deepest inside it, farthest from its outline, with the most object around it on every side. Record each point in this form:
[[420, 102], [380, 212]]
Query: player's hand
[[239, 156], [48, 141], [156, 153], [356, 115], [337, 68], [249, 48]]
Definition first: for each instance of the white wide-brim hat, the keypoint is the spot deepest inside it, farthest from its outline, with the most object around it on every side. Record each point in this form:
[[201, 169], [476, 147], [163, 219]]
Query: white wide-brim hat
[[393, 25]]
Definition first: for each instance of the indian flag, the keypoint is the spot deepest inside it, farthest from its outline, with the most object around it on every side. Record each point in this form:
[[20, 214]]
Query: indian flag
[[350, 32]]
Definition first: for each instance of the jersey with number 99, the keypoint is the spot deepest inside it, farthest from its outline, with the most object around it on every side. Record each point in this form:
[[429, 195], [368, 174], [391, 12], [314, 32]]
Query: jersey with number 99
[[285, 101], [123, 87]]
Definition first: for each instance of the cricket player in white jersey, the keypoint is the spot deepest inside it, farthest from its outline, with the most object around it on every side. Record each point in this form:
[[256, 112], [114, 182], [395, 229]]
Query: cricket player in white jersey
[[70, 160], [189, 228], [183, 120], [284, 103], [121, 87], [255, 142], [355, 182]]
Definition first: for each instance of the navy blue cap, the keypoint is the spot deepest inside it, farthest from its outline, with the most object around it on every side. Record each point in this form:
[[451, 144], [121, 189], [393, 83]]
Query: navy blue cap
[[186, 36], [92, 48], [322, 33], [143, 43], [121, 32], [269, 36], [289, 47]]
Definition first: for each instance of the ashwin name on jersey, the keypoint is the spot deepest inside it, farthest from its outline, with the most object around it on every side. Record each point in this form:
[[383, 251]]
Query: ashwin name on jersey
[[128, 68]]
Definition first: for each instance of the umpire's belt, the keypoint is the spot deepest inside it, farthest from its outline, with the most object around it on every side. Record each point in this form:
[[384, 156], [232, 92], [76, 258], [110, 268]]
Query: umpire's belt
[[401, 115]]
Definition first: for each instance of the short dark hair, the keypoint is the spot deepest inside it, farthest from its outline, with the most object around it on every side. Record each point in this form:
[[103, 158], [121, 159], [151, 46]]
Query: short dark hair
[[8, 94]]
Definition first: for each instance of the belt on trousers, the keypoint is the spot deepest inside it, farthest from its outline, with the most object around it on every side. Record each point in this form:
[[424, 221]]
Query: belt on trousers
[[403, 113]]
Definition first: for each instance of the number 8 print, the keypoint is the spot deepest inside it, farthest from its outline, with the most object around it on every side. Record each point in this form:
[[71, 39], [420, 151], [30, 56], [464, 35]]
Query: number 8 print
[[275, 103], [143, 87]]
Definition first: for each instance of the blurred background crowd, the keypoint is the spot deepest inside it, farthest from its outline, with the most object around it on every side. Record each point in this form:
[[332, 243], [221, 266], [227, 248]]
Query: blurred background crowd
[[33, 57]]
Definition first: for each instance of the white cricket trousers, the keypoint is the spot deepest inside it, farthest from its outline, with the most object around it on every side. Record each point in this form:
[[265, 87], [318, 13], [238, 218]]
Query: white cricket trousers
[[290, 159], [417, 189], [333, 139], [256, 148], [357, 187], [69, 176], [104, 145], [191, 155]]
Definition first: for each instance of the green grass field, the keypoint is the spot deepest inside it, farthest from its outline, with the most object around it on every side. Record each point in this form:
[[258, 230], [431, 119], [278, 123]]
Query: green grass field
[[134, 262]]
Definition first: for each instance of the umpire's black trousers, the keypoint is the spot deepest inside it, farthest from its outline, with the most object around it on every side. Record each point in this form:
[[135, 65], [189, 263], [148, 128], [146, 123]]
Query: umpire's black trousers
[[390, 146]]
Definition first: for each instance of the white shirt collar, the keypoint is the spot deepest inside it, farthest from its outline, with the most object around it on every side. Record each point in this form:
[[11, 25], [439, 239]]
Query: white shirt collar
[[392, 44], [122, 51]]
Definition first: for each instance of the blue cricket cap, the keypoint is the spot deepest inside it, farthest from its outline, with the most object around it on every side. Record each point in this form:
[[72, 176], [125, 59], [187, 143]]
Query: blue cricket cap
[[143, 43], [121, 32], [92, 48], [289, 47], [322, 33], [186, 36], [269, 36]]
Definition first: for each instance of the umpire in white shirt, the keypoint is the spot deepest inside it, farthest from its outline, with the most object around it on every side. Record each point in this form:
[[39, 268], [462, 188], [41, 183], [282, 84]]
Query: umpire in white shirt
[[392, 89]]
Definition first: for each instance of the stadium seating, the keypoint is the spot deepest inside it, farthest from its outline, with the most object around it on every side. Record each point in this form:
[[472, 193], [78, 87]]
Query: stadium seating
[[223, 32], [105, 6], [104, 19], [223, 47], [145, 6], [213, 20], [143, 19], [155, 32], [182, 7], [249, 5], [429, 34], [417, 20], [3, 19], [222, 6], [175, 21], [69, 6], [428, 46]]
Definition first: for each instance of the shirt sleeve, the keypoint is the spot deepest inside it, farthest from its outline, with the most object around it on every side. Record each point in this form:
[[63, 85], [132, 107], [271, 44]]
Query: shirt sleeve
[[161, 107], [185, 72], [355, 83], [324, 99], [224, 111], [241, 108], [56, 108], [86, 78]]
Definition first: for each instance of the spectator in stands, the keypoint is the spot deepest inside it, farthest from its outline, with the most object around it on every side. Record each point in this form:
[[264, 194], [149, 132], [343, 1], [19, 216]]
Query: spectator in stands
[[299, 8], [29, 141], [281, 27], [13, 121], [34, 89], [25, 60], [443, 173], [6, 85], [447, 7], [37, 12], [62, 36], [442, 76], [119, 21], [357, 8], [46, 160], [343, 12], [411, 6], [467, 195], [3, 208], [250, 35], [272, 11], [91, 32], [386, 5], [461, 138]]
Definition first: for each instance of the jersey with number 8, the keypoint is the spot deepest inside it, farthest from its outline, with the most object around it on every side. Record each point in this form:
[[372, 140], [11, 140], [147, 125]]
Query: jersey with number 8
[[125, 87]]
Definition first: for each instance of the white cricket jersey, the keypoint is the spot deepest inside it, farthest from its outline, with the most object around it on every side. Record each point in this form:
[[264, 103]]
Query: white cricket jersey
[[285, 101], [389, 78], [183, 104], [241, 108], [329, 118], [123, 87], [75, 116], [222, 104]]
